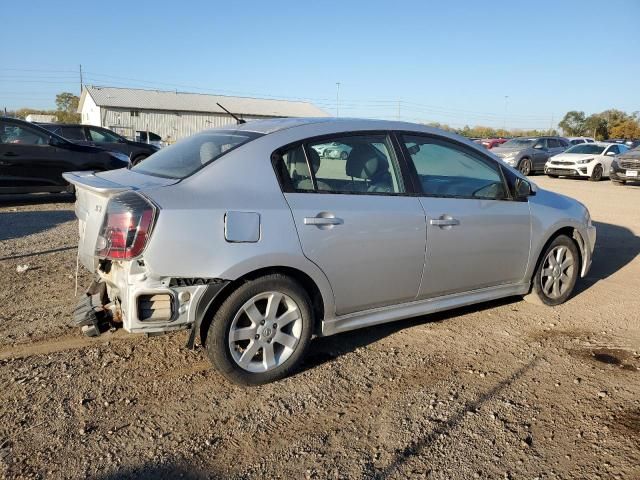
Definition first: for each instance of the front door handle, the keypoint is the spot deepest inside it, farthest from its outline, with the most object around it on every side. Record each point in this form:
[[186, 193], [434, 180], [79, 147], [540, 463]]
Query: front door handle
[[445, 221]]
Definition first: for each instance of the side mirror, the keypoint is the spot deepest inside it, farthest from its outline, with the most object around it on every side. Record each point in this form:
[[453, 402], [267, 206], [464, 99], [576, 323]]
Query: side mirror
[[538, 147], [610, 154], [524, 189], [53, 142]]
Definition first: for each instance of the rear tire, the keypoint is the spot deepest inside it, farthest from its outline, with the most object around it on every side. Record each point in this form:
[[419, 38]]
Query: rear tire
[[248, 341], [596, 174], [556, 274]]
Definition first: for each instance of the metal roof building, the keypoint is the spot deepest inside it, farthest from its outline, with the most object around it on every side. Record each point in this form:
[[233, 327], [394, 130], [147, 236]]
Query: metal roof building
[[174, 115]]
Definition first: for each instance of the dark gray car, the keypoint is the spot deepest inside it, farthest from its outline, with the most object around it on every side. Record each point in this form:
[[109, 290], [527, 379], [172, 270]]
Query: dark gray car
[[529, 154]]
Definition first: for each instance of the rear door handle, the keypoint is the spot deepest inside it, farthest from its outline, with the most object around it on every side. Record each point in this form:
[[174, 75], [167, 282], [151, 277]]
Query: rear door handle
[[444, 221], [323, 221]]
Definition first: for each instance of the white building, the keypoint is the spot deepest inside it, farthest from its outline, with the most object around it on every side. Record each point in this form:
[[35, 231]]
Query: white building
[[174, 115], [41, 117]]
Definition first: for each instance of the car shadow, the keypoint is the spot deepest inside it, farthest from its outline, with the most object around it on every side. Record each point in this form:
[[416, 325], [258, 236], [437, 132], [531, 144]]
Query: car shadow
[[150, 471], [326, 349], [23, 223], [16, 200], [616, 246]]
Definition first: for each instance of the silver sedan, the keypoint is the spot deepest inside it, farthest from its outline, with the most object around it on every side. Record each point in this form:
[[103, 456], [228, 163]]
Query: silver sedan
[[255, 242]]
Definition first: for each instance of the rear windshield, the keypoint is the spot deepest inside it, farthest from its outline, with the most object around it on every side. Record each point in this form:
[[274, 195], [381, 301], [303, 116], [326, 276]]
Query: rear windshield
[[589, 148], [518, 142], [190, 154]]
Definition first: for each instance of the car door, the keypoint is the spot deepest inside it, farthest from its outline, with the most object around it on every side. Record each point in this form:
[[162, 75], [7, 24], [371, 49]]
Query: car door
[[354, 220], [27, 161], [477, 235]]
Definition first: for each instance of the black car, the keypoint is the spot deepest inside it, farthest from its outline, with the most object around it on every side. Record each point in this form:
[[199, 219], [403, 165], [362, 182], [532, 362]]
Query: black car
[[626, 167], [102, 137], [33, 159]]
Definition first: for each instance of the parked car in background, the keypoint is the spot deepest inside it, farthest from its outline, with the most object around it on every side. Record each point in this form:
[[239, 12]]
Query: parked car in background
[[489, 143], [151, 139], [578, 140], [626, 167], [102, 137], [415, 220], [530, 154], [592, 160], [32, 159]]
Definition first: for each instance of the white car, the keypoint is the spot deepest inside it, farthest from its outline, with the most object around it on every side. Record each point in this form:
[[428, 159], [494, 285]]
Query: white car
[[579, 140], [592, 160]]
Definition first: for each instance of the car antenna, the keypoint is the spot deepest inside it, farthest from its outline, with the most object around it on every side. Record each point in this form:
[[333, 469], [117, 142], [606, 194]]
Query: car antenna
[[239, 120]]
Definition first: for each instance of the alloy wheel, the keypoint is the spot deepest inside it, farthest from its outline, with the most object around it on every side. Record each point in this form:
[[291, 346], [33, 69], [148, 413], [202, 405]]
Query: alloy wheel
[[557, 272], [265, 332], [525, 166]]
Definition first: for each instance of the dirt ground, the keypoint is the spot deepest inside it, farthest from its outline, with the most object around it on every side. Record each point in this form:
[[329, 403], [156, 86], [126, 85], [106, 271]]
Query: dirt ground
[[501, 390]]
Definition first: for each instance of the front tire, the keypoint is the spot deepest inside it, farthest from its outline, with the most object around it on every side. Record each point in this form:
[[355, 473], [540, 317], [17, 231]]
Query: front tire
[[138, 159], [525, 166], [261, 331], [596, 174], [556, 273]]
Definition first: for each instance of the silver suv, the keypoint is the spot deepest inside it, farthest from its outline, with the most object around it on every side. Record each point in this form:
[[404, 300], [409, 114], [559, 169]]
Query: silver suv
[[253, 241], [530, 154]]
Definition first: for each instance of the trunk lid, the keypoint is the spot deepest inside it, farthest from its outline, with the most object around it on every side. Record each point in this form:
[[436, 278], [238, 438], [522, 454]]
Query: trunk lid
[[93, 191]]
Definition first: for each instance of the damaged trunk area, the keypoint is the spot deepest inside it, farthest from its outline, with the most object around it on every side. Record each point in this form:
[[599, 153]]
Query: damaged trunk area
[[95, 313]]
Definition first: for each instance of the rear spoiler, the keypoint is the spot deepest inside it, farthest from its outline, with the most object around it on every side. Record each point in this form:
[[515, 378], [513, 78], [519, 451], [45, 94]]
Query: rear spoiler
[[89, 181]]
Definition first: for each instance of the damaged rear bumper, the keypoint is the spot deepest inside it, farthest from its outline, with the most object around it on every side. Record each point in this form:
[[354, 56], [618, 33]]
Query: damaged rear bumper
[[128, 295]]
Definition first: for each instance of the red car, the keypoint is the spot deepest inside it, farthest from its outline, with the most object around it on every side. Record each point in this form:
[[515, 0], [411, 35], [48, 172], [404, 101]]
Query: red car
[[489, 143]]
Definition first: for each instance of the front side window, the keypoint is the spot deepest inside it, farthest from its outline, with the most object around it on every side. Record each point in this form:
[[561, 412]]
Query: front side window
[[358, 164], [614, 149], [20, 135], [102, 136], [190, 154], [448, 170], [553, 143], [588, 148]]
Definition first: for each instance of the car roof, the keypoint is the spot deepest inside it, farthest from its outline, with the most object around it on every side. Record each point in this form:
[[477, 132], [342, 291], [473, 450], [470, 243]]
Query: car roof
[[346, 124], [34, 125]]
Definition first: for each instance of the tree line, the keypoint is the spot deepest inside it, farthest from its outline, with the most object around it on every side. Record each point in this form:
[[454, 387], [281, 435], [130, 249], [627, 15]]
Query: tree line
[[611, 123], [65, 112]]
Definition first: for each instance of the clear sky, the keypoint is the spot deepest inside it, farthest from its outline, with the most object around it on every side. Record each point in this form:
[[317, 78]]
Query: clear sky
[[447, 61]]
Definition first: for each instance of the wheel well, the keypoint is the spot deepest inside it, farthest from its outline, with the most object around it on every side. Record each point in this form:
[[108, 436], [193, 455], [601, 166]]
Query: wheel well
[[302, 278], [569, 232]]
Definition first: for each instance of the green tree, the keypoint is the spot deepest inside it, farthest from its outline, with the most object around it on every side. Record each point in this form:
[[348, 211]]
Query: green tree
[[573, 123], [67, 106], [597, 126]]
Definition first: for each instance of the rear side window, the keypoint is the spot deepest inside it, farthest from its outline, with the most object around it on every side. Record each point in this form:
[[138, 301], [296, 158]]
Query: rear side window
[[72, 133], [189, 155], [356, 164], [552, 143]]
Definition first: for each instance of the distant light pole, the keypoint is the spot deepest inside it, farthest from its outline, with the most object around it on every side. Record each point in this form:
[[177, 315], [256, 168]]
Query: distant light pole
[[504, 123], [337, 99]]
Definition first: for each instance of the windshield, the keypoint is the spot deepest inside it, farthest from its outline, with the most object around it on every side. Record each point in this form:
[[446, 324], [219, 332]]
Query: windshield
[[191, 154], [589, 148], [518, 143]]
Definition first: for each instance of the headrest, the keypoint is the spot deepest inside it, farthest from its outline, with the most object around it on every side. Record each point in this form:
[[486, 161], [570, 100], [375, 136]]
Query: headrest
[[366, 162]]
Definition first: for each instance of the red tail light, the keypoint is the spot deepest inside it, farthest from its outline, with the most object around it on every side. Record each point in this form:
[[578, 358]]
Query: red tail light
[[126, 227]]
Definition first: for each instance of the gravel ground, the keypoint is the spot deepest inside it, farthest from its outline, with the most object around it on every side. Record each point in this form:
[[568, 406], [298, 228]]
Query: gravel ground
[[501, 390]]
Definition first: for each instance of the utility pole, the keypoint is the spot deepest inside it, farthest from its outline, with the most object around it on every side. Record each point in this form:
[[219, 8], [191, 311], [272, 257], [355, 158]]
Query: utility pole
[[551, 125], [337, 99], [504, 123], [81, 79]]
